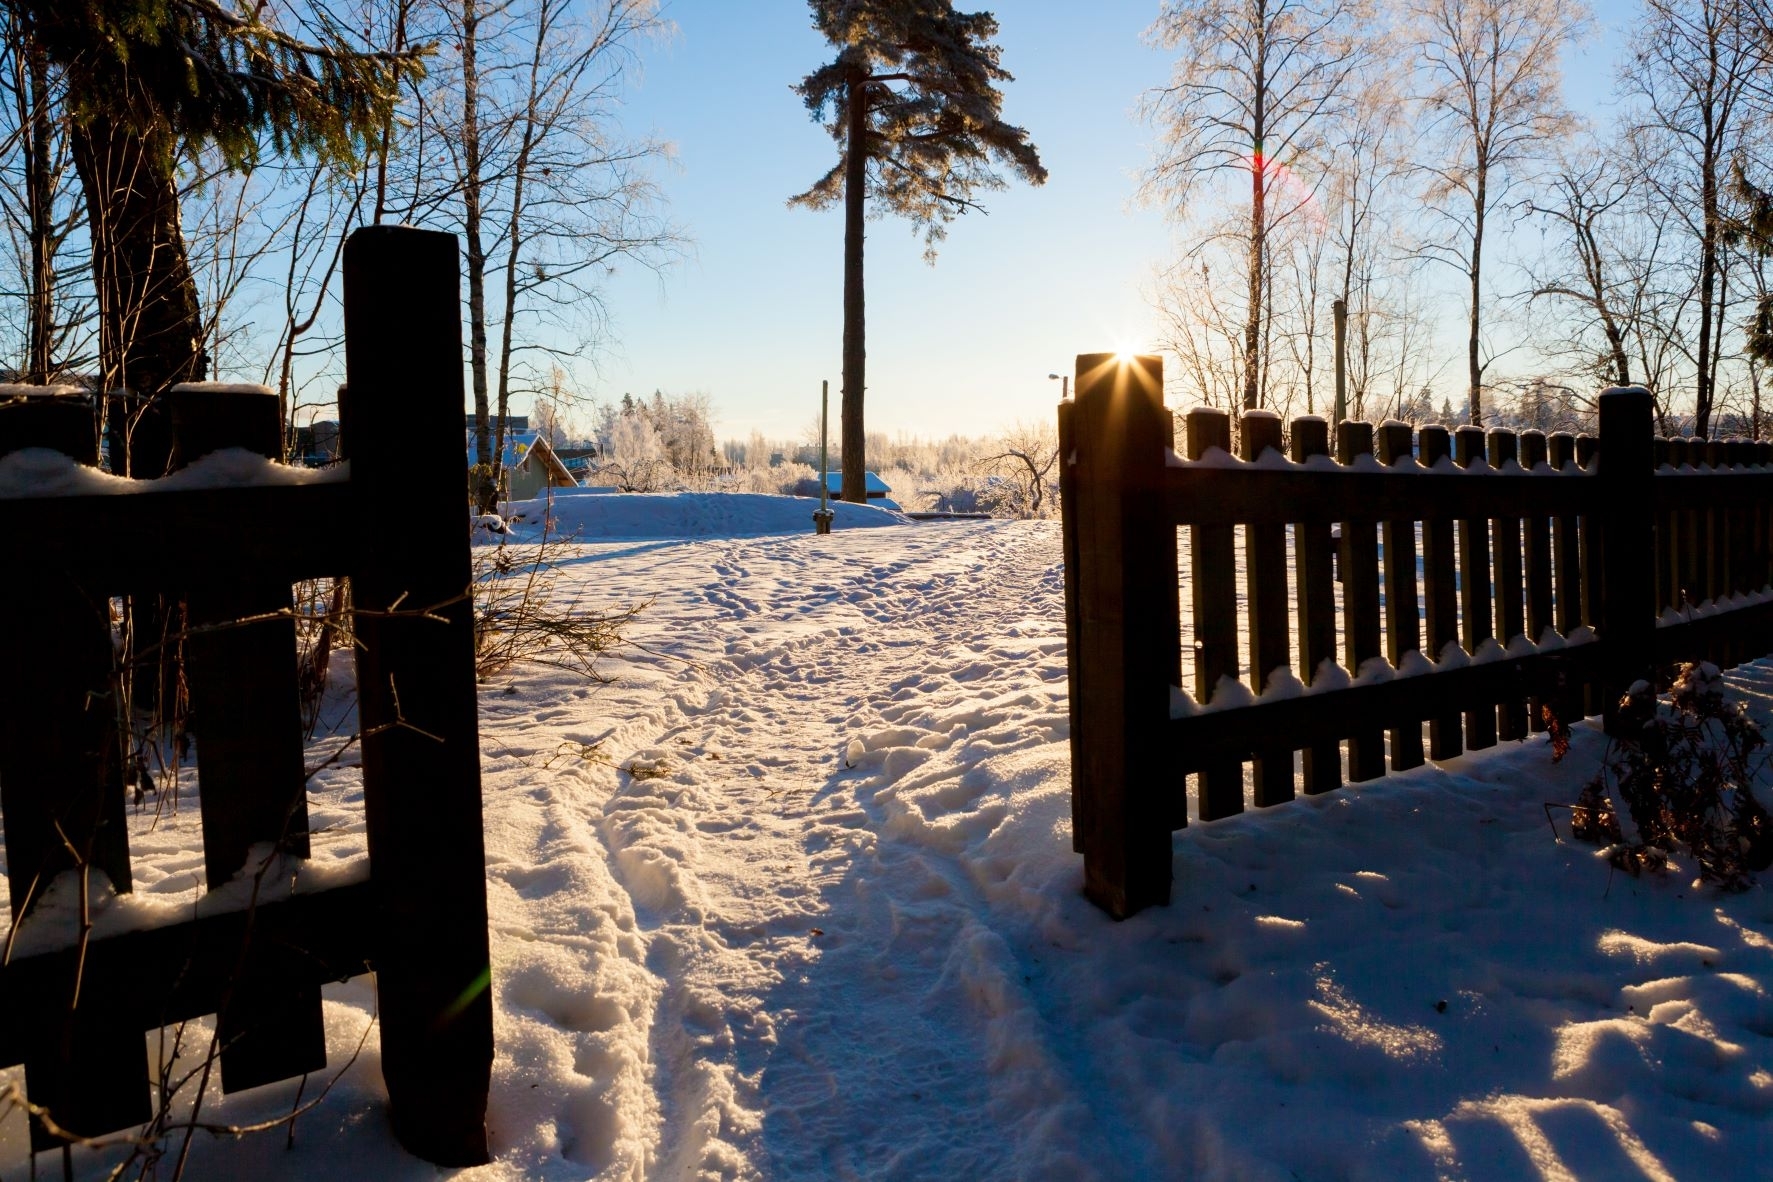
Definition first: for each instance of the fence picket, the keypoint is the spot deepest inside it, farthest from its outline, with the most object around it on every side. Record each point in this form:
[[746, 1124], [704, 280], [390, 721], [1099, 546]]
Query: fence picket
[[1360, 603], [1315, 574], [1508, 588], [1215, 615], [1402, 632], [1474, 585], [246, 714], [1265, 547], [61, 787], [1446, 736], [1537, 570]]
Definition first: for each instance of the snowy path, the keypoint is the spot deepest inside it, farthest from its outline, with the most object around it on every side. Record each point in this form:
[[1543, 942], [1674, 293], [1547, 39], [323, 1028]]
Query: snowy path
[[791, 953]]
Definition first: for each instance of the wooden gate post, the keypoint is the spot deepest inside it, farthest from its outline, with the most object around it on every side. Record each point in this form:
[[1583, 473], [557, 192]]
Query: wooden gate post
[[416, 698], [1627, 619], [1118, 433]]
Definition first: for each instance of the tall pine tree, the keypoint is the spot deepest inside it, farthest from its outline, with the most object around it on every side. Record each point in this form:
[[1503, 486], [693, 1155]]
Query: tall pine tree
[[912, 101]]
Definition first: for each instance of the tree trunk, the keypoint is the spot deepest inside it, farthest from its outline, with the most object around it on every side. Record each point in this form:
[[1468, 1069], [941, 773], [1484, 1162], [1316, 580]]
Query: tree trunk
[[150, 323], [1258, 242], [150, 339], [1708, 272], [485, 454], [855, 352], [1474, 365], [39, 144]]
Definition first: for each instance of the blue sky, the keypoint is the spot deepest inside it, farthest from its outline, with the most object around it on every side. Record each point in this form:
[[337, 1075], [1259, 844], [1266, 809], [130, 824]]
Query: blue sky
[[753, 317]]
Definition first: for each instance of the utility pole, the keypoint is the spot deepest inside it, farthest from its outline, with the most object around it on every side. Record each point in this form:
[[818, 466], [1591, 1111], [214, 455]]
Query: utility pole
[[1340, 412]]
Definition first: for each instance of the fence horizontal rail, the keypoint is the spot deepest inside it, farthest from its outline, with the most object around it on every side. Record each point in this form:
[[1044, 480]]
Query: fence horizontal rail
[[1212, 494], [158, 976], [115, 543], [1737, 488], [1197, 741]]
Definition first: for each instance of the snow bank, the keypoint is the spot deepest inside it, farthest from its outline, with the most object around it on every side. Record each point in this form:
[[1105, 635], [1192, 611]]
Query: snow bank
[[642, 516]]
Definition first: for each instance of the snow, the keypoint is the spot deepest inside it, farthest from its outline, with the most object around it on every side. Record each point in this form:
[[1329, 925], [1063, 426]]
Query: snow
[[794, 898], [43, 472], [672, 516]]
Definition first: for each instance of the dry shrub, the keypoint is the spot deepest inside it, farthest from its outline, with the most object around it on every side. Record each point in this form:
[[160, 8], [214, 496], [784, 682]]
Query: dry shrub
[[522, 615], [1682, 778]]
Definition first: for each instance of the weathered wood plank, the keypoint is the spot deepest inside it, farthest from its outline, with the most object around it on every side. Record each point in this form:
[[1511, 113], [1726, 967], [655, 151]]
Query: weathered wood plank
[[1403, 633], [1209, 495], [1315, 573], [246, 716], [1474, 583], [1360, 605], [1446, 734], [1125, 803], [169, 538], [1508, 588], [1265, 548], [1213, 571], [416, 689], [1628, 602], [1334, 714], [61, 795]]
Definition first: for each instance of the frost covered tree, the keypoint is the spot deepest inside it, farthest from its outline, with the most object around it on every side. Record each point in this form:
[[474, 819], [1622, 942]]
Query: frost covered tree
[[1256, 85], [1491, 99], [912, 100]]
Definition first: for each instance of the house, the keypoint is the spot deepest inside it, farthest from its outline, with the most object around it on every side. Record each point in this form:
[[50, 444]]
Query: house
[[876, 488], [529, 465]]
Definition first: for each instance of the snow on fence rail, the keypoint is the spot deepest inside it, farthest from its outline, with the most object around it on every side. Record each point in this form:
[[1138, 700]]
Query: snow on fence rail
[[1552, 572], [75, 1011]]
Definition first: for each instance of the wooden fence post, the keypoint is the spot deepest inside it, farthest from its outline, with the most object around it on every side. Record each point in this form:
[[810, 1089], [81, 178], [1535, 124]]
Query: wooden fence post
[[61, 776], [1075, 675], [415, 622], [1119, 436], [246, 716], [1627, 621]]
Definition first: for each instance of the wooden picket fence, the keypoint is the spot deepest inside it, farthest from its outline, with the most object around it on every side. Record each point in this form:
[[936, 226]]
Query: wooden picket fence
[[75, 1008], [1484, 577]]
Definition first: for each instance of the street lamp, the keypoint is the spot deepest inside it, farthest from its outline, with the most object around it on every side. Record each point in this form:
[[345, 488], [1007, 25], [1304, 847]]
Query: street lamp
[[1064, 384]]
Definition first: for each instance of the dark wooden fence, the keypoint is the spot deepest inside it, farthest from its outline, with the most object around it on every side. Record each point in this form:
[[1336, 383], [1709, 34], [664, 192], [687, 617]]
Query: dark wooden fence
[[1495, 574], [75, 1014]]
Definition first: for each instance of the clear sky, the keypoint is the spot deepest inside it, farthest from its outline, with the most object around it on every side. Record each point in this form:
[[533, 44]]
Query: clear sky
[[753, 317]]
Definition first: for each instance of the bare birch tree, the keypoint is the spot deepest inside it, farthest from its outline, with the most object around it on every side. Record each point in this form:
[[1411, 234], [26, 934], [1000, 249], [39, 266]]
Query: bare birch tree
[[1490, 95], [1255, 88]]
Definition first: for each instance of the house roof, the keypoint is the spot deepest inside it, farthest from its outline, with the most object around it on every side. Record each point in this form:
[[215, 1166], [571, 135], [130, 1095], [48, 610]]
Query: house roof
[[872, 484], [520, 446]]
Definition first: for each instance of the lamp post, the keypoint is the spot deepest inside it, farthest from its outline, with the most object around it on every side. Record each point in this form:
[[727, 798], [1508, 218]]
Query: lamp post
[[1064, 384], [824, 513]]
